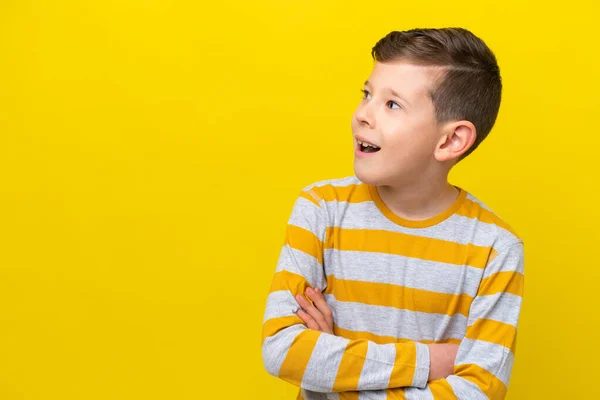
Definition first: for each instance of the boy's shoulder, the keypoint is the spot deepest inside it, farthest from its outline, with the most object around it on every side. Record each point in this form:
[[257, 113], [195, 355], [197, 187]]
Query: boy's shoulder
[[338, 189], [334, 183], [352, 189], [506, 235]]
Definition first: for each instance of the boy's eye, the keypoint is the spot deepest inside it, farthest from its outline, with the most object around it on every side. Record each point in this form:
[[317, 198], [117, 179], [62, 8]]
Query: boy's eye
[[391, 105], [365, 93]]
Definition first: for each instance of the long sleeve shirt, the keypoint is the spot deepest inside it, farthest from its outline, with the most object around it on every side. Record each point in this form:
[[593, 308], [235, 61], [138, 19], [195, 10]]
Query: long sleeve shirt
[[394, 285]]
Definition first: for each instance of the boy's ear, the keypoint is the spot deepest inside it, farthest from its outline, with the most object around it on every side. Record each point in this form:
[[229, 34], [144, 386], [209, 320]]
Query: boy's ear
[[458, 137]]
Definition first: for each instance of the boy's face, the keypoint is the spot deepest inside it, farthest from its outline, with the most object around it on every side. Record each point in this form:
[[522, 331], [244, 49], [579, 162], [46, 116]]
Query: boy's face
[[397, 115]]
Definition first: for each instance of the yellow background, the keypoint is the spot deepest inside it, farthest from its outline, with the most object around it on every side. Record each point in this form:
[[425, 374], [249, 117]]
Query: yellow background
[[151, 150]]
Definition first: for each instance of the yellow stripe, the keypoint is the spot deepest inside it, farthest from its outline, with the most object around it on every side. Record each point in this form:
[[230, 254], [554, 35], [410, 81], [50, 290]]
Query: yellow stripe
[[509, 282], [358, 193], [493, 254], [379, 241], [384, 294], [472, 209], [299, 397], [493, 331], [286, 280], [493, 387], [352, 193], [310, 196], [349, 395], [304, 240], [395, 394], [274, 325], [351, 365], [442, 390], [296, 359], [404, 364], [379, 339]]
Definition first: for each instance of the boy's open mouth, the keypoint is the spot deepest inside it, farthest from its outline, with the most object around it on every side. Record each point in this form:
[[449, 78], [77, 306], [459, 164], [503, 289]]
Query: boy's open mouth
[[367, 147]]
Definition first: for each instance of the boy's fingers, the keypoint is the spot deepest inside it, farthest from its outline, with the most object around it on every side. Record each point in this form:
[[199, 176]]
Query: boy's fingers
[[317, 297], [313, 312], [308, 320], [322, 312]]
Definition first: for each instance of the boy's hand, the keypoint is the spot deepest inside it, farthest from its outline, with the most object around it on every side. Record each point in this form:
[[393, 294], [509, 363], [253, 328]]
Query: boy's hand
[[442, 357], [317, 316]]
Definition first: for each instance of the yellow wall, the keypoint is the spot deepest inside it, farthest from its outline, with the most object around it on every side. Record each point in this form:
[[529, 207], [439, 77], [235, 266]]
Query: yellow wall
[[151, 150]]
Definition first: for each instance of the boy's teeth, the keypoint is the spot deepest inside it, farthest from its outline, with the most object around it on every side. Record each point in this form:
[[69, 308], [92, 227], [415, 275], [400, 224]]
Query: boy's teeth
[[367, 144]]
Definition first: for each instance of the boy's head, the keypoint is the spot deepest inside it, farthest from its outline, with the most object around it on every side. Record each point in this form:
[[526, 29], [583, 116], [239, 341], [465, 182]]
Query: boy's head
[[431, 99]]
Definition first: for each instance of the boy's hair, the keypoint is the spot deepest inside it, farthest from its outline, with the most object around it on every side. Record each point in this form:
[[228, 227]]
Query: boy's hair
[[470, 85]]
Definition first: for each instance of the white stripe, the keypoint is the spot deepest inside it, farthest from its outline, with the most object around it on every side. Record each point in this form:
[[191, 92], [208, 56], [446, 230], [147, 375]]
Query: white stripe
[[338, 182], [305, 214], [324, 363], [476, 200], [400, 324], [503, 307], [275, 348], [366, 215], [372, 395], [422, 365], [464, 389], [402, 271], [378, 366], [508, 260], [305, 265], [412, 393], [494, 358], [280, 303], [309, 395]]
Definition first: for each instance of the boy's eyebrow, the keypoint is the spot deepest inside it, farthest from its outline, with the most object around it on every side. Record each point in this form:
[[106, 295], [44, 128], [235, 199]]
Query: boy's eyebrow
[[392, 91]]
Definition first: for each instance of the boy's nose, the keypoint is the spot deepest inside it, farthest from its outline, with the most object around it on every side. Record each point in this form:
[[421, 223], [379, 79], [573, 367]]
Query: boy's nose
[[365, 116]]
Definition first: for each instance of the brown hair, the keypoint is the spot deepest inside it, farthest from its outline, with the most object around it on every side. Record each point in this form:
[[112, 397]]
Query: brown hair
[[470, 86]]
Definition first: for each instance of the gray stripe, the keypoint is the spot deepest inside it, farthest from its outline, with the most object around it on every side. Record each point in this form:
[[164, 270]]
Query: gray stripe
[[324, 363], [275, 348], [505, 235], [308, 395], [372, 395], [298, 262], [503, 307], [494, 358], [422, 366], [307, 215], [366, 215], [340, 182], [400, 324], [378, 366], [280, 303], [464, 389], [402, 271], [413, 393], [476, 200], [508, 260]]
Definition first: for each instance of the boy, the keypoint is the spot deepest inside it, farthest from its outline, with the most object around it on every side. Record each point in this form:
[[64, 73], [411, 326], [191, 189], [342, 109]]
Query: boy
[[415, 286]]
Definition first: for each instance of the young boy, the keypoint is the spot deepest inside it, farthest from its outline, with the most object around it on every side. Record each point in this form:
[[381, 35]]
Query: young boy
[[415, 286]]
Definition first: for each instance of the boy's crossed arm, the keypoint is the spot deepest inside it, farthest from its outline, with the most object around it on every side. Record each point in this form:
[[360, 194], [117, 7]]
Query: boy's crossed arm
[[484, 363], [314, 360], [318, 316]]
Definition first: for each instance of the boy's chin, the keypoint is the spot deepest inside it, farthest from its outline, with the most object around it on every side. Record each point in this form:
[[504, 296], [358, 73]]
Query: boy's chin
[[369, 177]]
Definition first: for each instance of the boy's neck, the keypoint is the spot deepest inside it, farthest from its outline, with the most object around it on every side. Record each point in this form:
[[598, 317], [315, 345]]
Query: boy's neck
[[419, 201]]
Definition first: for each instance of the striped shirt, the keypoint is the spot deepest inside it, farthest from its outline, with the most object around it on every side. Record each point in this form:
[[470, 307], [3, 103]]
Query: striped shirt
[[394, 285]]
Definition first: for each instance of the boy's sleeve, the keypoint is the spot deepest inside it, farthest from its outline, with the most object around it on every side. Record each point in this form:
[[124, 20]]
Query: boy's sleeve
[[485, 356], [315, 360]]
